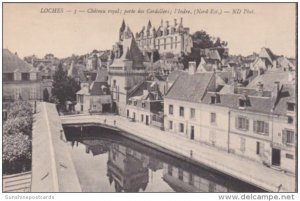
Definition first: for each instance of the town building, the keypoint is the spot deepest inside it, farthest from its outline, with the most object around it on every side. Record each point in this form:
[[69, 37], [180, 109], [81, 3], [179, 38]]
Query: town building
[[256, 122], [21, 81], [95, 97], [126, 69], [145, 104], [165, 38]]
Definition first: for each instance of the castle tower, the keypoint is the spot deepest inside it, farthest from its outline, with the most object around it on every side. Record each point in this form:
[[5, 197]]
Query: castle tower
[[126, 70]]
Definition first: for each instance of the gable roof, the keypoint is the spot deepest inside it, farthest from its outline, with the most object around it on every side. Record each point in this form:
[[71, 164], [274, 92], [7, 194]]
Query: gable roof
[[189, 87], [12, 62]]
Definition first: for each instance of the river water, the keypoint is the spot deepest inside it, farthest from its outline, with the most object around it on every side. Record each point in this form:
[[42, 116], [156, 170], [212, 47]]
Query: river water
[[105, 161]]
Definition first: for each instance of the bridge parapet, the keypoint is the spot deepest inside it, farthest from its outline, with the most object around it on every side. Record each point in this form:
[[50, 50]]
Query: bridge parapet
[[52, 166]]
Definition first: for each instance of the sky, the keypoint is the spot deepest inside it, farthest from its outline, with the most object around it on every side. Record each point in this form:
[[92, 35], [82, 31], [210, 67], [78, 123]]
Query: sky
[[28, 30]]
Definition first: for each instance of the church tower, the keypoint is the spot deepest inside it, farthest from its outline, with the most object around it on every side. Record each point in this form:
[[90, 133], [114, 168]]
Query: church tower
[[126, 70]]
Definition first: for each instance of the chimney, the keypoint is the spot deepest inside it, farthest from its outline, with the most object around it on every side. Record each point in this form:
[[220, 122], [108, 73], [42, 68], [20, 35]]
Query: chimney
[[260, 89], [167, 23], [145, 91], [276, 89], [89, 81], [192, 67], [175, 22]]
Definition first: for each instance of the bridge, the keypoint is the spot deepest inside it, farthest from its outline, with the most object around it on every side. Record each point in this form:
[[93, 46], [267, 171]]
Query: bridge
[[203, 155]]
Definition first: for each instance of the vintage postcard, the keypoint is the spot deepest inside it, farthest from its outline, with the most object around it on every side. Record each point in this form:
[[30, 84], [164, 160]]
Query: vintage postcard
[[150, 97]]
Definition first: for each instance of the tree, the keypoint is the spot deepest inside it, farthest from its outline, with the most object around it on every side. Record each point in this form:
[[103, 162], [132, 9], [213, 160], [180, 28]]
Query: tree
[[18, 125], [203, 40], [64, 87], [19, 109]]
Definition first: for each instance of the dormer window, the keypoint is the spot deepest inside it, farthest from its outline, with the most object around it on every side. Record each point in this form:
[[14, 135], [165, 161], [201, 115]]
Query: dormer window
[[143, 104], [135, 103], [129, 102], [242, 103], [215, 99]]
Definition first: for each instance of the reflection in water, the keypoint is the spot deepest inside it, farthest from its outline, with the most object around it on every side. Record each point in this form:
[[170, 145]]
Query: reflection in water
[[113, 163]]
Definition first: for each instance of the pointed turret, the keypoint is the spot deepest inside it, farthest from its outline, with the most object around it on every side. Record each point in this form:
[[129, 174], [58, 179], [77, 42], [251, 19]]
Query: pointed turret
[[122, 29]]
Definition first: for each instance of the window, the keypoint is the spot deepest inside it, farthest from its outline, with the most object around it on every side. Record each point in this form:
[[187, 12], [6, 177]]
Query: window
[[291, 107], [242, 103], [180, 174], [32, 93], [172, 43], [288, 137], [165, 43], [213, 117], [212, 99], [261, 127], [142, 118], [170, 109], [242, 123], [290, 156], [170, 170], [135, 103], [181, 111], [243, 144], [193, 113], [25, 76], [181, 127], [114, 83], [257, 148], [175, 41], [143, 105], [170, 125], [191, 179], [290, 120], [81, 108], [8, 76]]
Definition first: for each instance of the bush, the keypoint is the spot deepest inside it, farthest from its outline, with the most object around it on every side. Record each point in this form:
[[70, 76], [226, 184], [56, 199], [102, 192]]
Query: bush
[[16, 153], [18, 125], [19, 109], [17, 130]]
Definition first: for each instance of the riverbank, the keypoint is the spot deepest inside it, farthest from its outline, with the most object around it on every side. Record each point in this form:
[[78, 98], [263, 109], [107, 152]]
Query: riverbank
[[243, 169]]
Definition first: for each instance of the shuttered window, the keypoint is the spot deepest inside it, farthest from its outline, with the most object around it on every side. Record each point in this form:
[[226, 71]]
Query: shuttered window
[[242, 123], [261, 127], [288, 137]]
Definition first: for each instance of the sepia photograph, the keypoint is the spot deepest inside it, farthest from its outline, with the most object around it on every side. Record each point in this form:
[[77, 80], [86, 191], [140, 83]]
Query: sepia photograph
[[150, 97]]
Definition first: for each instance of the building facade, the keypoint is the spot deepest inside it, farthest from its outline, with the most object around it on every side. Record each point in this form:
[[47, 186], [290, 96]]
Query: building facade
[[166, 38]]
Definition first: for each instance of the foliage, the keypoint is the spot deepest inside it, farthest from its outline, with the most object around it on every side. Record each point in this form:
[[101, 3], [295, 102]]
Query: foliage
[[64, 87], [17, 146], [203, 40], [19, 109], [18, 125], [17, 132], [16, 155]]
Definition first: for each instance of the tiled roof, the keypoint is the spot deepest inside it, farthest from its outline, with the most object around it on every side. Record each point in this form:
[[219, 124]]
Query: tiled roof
[[12, 62], [256, 104], [174, 75], [287, 94], [132, 52], [190, 88], [99, 88], [268, 79], [150, 86]]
